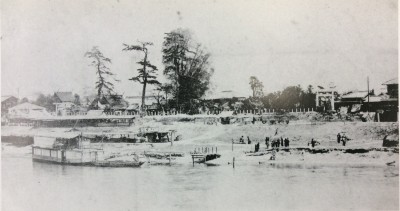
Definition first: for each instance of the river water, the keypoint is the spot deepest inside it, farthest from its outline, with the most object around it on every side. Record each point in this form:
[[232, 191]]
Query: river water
[[28, 185]]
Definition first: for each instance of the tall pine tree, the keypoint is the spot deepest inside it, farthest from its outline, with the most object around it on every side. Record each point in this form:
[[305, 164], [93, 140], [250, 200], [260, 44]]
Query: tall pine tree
[[147, 71], [103, 72]]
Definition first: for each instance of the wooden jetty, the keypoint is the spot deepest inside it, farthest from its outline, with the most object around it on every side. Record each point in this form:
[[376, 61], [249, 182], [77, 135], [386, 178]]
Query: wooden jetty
[[204, 154]]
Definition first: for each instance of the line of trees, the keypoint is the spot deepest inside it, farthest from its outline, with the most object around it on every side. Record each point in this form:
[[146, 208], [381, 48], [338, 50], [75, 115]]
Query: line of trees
[[290, 97]]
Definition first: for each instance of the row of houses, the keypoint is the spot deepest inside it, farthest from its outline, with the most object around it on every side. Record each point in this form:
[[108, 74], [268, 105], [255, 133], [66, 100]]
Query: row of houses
[[112, 103], [385, 105], [117, 109], [67, 109]]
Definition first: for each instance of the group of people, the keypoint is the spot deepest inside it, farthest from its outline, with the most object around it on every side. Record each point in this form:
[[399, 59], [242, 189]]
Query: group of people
[[280, 142], [276, 143], [342, 138]]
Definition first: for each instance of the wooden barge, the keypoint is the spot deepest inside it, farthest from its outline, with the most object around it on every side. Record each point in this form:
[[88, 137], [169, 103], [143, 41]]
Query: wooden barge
[[70, 149]]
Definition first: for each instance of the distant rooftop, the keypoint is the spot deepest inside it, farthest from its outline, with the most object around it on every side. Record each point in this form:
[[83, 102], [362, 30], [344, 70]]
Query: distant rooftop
[[3, 98], [392, 81], [137, 100], [28, 106], [356, 94], [226, 94], [378, 98]]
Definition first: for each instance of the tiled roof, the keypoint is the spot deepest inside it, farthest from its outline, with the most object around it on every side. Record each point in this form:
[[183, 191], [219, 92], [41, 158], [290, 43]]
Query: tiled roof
[[115, 101], [392, 81], [358, 94]]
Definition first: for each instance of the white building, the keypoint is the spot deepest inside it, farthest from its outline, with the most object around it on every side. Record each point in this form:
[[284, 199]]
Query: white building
[[27, 111]]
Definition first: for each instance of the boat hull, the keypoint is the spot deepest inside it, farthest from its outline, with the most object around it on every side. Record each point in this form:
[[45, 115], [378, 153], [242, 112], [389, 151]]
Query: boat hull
[[96, 163], [118, 164]]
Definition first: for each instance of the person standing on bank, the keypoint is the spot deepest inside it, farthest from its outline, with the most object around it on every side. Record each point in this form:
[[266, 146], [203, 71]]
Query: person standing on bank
[[338, 138], [257, 147], [312, 143]]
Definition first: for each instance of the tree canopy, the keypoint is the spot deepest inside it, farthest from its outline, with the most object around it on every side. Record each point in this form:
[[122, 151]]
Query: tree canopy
[[256, 86], [289, 98], [46, 101], [187, 66]]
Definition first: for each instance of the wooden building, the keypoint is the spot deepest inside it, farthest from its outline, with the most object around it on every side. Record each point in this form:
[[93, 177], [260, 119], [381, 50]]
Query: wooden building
[[64, 102]]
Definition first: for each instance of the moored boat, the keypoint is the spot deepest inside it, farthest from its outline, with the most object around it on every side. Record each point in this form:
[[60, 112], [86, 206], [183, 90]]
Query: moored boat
[[74, 149]]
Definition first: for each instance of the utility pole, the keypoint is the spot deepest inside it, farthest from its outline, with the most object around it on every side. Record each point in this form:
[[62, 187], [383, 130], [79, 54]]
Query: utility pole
[[368, 93]]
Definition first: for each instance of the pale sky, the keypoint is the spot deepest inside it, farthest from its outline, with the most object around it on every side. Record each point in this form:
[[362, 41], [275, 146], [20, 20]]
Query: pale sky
[[282, 42]]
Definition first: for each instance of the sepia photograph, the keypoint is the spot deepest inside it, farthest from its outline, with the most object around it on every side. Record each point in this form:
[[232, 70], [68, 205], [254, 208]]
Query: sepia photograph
[[199, 105]]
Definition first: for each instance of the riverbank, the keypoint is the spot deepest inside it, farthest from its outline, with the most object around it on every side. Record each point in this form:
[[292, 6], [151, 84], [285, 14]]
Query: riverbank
[[365, 145]]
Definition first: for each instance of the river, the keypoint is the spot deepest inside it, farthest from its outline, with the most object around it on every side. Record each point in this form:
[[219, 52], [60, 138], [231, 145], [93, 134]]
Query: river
[[28, 185]]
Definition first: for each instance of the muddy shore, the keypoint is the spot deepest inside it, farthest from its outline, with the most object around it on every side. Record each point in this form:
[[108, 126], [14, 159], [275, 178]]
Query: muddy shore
[[364, 146]]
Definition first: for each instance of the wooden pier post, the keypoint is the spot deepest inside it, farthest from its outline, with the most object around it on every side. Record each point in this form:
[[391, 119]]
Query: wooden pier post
[[193, 160], [170, 158], [216, 150], [233, 162]]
